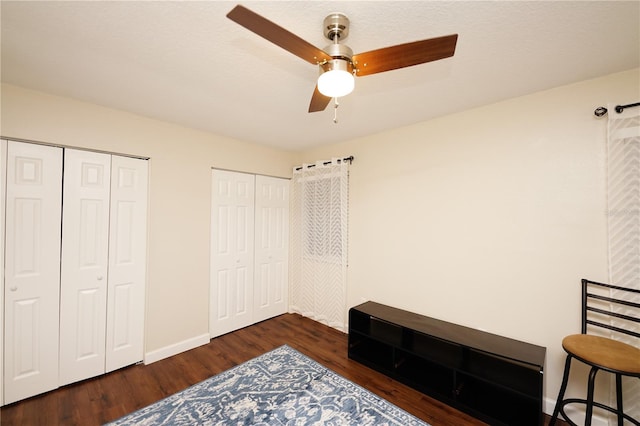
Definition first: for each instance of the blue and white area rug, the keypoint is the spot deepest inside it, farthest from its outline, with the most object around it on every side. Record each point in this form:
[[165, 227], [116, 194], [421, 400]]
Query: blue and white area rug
[[281, 387]]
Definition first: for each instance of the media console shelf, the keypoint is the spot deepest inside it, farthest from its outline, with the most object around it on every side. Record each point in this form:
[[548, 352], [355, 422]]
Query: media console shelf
[[495, 379]]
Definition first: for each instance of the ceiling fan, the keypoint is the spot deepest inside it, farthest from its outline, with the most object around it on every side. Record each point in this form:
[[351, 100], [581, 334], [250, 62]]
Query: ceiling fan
[[337, 62]]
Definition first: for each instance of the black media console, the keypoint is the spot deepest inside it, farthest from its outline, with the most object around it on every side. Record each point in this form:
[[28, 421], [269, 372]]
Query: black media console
[[495, 379]]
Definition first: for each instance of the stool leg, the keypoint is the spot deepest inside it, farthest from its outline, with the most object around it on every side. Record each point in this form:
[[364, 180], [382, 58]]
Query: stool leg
[[563, 388], [619, 399], [590, 389]]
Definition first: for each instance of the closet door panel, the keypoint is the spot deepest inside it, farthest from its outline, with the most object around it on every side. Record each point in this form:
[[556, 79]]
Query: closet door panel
[[85, 244], [232, 251], [3, 168], [32, 270], [271, 247], [127, 262]]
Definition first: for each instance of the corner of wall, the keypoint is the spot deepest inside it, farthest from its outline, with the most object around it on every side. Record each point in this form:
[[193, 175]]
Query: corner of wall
[[176, 348]]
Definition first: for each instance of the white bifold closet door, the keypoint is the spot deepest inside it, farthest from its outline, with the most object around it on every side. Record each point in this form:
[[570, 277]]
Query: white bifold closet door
[[249, 249], [85, 246], [103, 263], [271, 247], [3, 175], [32, 269], [74, 269], [232, 235], [127, 262]]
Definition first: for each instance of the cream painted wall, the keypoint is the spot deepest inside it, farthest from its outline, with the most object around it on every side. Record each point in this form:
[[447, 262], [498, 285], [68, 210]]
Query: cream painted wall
[[487, 218], [179, 211], [490, 217]]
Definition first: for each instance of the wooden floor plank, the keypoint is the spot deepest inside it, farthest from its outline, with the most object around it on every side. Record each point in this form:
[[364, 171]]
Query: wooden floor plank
[[110, 396]]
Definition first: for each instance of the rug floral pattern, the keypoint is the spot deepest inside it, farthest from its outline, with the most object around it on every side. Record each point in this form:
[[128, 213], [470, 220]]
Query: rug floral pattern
[[281, 387]]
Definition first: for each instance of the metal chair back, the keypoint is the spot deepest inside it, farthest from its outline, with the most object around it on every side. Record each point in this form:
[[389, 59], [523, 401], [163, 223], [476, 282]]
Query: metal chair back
[[625, 319]]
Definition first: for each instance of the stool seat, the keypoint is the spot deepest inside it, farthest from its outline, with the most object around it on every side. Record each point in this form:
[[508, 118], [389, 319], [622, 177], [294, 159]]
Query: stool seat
[[607, 354], [614, 310]]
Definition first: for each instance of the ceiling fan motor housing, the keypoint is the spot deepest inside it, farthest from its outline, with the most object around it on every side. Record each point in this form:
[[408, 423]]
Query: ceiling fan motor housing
[[339, 51], [336, 25], [341, 55]]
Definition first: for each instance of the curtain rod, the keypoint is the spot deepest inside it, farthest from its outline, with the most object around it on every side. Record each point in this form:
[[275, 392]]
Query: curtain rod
[[600, 111], [349, 159]]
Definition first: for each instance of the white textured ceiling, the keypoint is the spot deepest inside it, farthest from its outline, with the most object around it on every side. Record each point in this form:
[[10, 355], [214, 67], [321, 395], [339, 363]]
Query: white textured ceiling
[[185, 62]]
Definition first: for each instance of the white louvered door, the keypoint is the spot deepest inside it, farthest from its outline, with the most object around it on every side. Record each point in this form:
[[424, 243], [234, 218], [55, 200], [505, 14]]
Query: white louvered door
[[32, 269]]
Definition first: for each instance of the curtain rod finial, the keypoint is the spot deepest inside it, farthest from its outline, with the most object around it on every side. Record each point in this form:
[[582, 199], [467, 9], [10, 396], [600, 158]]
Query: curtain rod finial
[[600, 111]]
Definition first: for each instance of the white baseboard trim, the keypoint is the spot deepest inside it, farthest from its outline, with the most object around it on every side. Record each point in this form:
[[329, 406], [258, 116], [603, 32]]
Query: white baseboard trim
[[575, 412], [176, 348]]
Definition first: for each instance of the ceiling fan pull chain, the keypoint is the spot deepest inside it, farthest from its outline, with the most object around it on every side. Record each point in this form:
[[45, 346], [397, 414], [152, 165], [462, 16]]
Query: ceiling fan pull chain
[[335, 110]]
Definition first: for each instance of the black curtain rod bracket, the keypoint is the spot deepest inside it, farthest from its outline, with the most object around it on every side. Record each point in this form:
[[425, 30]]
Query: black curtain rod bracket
[[601, 111]]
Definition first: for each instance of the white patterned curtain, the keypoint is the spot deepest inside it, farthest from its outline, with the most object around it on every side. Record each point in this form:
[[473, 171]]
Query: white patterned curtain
[[318, 267], [623, 198]]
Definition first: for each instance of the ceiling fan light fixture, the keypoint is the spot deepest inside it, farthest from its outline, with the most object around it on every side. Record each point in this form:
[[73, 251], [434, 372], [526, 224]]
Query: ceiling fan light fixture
[[336, 78]]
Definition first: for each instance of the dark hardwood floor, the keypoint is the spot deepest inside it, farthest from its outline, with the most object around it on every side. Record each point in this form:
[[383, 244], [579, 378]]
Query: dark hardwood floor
[[101, 399]]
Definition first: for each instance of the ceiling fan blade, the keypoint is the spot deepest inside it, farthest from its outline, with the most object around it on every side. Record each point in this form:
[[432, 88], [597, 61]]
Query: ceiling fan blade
[[318, 101], [405, 55], [277, 35]]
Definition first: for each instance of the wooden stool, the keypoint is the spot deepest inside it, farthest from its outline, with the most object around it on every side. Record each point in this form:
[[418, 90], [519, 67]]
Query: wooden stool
[[600, 353]]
